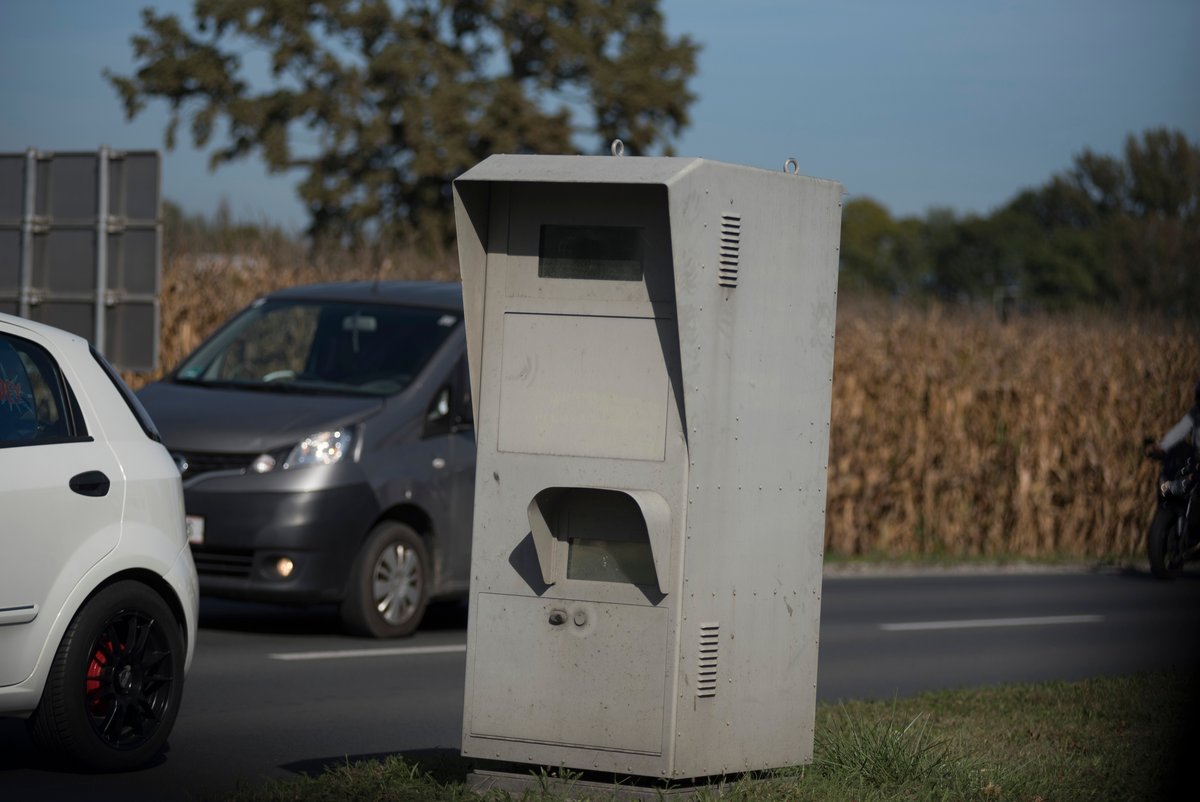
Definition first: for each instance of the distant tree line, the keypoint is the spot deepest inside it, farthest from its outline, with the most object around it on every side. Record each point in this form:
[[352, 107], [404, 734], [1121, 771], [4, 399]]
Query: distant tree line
[[1116, 232], [379, 105], [194, 233]]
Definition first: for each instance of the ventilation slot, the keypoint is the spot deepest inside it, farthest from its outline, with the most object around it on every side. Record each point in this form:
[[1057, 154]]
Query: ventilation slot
[[706, 669], [731, 250]]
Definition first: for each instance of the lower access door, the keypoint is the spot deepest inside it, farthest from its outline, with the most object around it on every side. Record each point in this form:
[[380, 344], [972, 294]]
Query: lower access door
[[570, 673]]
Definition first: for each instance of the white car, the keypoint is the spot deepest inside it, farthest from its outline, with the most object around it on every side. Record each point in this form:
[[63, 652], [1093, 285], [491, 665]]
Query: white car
[[98, 593]]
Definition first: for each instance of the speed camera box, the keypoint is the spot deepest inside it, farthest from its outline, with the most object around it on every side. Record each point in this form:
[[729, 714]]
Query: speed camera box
[[651, 349]]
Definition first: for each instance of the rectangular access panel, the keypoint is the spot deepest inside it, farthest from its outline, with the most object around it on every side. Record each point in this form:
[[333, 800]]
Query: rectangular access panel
[[81, 244], [651, 352]]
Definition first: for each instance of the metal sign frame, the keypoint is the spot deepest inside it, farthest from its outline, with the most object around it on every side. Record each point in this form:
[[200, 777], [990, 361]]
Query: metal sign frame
[[81, 246]]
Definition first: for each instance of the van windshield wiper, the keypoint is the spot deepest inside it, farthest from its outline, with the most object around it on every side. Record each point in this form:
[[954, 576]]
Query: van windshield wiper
[[216, 383], [282, 387], [308, 388]]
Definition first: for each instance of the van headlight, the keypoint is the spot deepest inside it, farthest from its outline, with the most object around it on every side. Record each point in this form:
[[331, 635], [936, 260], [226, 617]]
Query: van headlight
[[321, 448]]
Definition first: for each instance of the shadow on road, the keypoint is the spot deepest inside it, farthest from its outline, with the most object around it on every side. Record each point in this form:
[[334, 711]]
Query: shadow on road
[[1189, 577], [281, 619], [17, 752]]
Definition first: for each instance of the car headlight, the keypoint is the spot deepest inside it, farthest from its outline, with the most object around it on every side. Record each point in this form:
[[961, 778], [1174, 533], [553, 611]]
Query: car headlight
[[321, 448]]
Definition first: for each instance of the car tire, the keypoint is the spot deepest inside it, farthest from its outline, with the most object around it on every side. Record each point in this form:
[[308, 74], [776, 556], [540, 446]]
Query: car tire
[[116, 682], [389, 584]]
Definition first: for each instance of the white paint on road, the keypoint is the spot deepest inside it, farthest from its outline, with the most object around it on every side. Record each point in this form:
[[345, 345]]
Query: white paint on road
[[983, 623], [346, 654]]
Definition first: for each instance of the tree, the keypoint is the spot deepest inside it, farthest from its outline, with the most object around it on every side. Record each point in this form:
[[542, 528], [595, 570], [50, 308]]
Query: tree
[[1164, 172], [868, 240], [402, 98], [1118, 232], [1160, 233]]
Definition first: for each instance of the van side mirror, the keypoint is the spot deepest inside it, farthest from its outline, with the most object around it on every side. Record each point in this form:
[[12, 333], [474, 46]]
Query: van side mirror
[[440, 408], [438, 419]]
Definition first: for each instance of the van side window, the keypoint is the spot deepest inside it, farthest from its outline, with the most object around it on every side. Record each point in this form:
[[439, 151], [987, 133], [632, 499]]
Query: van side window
[[36, 405]]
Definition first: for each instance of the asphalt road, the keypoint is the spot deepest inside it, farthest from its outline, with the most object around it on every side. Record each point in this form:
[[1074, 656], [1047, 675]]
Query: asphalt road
[[277, 692]]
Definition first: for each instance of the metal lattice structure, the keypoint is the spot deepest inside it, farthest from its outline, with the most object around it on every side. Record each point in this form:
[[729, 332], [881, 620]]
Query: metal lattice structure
[[81, 247]]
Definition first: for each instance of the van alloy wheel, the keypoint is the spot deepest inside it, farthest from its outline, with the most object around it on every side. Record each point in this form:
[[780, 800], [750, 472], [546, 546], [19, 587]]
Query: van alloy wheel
[[398, 583], [389, 584]]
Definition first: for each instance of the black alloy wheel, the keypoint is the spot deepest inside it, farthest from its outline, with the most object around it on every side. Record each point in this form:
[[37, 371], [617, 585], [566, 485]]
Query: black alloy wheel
[[116, 682]]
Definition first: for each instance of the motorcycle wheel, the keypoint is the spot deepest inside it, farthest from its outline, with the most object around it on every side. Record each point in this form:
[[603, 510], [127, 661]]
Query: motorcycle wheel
[[1163, 542]]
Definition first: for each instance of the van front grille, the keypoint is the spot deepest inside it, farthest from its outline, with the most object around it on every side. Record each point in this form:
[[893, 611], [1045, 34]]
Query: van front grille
[[195, 462], [217, 562]]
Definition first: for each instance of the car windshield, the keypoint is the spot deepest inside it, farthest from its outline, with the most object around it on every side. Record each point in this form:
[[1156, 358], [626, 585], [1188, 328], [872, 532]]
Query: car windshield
[[305, 346]]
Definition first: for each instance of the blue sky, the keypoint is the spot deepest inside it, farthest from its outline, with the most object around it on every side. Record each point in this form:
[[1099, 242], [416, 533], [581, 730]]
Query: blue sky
[[918, 104]]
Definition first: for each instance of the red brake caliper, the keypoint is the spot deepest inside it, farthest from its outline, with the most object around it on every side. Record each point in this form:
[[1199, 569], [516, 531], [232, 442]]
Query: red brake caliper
[[95, 701]]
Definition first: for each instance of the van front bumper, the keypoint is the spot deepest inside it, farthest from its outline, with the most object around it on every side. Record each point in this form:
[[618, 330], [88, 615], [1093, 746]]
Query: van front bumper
[[249, 537]]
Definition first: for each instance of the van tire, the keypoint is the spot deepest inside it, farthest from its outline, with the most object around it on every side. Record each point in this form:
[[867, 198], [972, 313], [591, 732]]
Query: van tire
[[389, 584]]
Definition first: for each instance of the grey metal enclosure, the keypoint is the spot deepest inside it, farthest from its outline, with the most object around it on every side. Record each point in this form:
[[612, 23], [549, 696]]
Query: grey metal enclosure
[[651, 353]]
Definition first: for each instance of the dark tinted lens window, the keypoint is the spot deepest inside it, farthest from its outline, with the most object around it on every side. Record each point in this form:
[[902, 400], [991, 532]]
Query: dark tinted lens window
[[600, 253]]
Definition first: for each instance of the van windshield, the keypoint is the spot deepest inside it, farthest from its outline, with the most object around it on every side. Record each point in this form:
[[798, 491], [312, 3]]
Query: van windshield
[[286, 345]]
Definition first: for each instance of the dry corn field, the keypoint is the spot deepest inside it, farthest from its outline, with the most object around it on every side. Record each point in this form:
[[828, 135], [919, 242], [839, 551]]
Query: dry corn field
[[953, 435], [956, 435]]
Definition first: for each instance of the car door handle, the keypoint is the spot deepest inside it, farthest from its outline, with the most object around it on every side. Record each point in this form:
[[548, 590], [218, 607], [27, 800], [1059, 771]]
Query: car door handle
[[90, 483]]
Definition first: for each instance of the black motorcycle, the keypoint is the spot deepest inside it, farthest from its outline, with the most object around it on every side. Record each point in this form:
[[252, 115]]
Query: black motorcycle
[[1174, 535]]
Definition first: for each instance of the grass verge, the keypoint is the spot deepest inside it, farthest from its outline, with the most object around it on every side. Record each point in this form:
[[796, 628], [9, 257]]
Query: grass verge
[[1126, 738]]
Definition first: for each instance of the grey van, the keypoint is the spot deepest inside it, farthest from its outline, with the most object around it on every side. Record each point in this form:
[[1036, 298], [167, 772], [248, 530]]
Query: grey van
[[325, 440]]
